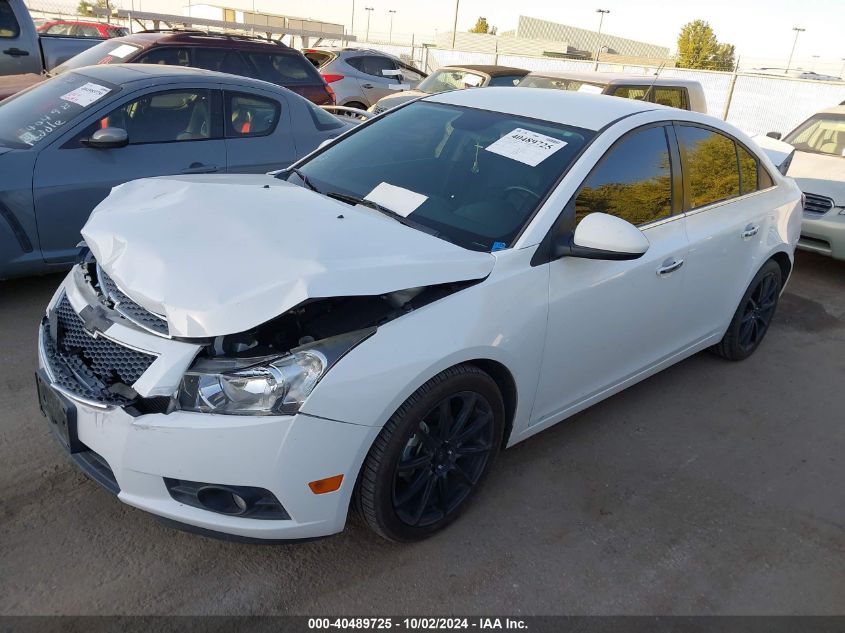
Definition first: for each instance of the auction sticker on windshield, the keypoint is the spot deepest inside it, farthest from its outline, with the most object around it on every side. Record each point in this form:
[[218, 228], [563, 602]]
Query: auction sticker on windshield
[[86, 94], [397, 199], [526, 146], [123, 50]]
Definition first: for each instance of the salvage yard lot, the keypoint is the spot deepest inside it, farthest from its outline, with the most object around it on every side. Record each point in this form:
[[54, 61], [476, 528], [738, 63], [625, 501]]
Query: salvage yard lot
[[713, 487]]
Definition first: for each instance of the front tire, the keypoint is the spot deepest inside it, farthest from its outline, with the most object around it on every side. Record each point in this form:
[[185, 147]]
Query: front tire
[[752, 318], [432, 455]]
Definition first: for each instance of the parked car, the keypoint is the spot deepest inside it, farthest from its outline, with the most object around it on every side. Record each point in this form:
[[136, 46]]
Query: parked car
[[24, 51], [445, 280], [685, 94], [78, 28], [818, 166], [236, 54], [360, 77], [454, 78], [66, 142]]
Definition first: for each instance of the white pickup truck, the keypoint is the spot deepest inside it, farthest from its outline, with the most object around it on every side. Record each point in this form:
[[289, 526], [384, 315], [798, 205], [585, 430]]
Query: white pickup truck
[[24, 51]]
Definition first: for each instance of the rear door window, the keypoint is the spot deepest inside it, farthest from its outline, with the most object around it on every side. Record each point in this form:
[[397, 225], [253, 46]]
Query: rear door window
[[249, 115], [630, 92], [711, 168], [221, 60], [373, 65], [166, 55], [283, 69], [505, 80], [8, 23], [672, 97]]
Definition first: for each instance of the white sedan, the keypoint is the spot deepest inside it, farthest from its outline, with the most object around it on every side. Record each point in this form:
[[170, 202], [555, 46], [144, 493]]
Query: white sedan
[[247, 356]]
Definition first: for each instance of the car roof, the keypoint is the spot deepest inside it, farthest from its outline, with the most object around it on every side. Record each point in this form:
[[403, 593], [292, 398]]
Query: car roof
[[122, 74], [488, 69], [577, 109], [222, 40], [616, 78]]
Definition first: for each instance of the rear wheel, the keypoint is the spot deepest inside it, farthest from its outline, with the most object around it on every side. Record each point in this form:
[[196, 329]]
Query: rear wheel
[[753, 316], [432, 455]]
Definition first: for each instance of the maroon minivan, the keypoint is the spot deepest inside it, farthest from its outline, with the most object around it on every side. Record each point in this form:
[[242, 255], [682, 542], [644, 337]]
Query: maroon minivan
[[236, 54]]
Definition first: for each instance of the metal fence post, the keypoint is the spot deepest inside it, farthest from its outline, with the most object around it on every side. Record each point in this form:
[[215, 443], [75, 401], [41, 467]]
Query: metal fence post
[[496, 52], [731, 91]]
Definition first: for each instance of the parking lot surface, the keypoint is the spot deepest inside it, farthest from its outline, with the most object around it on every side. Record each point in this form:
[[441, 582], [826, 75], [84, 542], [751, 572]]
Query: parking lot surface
[[711, 488]]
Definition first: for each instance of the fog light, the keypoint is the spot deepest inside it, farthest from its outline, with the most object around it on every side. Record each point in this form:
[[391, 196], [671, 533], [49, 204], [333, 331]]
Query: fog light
[[241, 501]]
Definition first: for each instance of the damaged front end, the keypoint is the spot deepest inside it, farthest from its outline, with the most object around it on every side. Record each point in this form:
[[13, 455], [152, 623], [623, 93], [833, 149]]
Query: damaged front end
[[269, 369], [272, 369]]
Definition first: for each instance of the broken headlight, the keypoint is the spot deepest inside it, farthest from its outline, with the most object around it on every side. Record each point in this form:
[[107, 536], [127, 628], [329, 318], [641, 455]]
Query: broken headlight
[[276, 385]]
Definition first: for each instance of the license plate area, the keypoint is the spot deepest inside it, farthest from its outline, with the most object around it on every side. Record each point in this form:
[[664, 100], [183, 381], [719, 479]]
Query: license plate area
[[60, 412]]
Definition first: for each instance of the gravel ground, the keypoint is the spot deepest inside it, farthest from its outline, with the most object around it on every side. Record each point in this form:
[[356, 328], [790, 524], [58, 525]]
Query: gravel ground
[[711, 488]]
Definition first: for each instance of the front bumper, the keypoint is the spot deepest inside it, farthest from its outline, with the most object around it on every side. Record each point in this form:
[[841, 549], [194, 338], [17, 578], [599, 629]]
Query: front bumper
[[278, 453], [824, 234]]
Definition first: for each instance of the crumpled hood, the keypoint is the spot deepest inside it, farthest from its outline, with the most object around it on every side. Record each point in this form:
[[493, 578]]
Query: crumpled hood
[[218, 255], [820, 174]]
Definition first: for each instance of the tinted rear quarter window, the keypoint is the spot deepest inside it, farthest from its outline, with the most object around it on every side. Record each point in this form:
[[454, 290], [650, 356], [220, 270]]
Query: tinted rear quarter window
[[166, 55], [630, 92], [633, 181], [672, 97], [711, 168], [221, 60], [8, 24], [748, 171], [283, 69]]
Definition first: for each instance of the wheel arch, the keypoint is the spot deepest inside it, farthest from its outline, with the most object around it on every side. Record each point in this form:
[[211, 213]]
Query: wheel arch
[[504, 380], [783, 260]]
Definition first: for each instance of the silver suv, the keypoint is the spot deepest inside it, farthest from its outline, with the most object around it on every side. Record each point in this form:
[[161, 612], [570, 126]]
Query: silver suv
[[360, 77]]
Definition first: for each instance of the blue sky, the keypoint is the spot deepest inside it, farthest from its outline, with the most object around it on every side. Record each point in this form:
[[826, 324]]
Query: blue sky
[[760, 29]]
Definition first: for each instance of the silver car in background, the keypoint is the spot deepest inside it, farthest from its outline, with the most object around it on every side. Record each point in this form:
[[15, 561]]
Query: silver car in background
[[449, 78], [360, 77]]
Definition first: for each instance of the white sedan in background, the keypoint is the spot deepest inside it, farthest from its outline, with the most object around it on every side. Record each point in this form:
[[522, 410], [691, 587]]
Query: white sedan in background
[[247, 356]]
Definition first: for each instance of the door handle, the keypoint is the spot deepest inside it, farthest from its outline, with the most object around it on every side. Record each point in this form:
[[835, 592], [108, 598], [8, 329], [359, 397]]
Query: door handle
[[669, 266], [367, 86], [199, 168], [750, 231], [16, 52]]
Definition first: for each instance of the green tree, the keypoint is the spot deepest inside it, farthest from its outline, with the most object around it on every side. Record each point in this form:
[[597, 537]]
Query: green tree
[[699, 48], [481, 26], [86, 7]]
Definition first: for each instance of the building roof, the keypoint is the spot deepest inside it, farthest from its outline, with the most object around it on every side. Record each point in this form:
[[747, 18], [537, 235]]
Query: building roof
[[587, 111]]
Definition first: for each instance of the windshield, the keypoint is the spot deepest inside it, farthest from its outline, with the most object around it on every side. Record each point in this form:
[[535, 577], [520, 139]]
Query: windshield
[[35, 114], [445, 79], [558, 83], [469, 176], [820, 134], [108, 52]]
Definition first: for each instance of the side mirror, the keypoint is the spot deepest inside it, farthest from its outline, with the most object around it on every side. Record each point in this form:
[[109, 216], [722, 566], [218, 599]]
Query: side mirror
[[602, 236], [108, 138], [775, 135]]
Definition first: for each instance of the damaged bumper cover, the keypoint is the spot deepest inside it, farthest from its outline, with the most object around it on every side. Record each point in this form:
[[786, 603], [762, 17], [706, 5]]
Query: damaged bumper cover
[[137, 455]]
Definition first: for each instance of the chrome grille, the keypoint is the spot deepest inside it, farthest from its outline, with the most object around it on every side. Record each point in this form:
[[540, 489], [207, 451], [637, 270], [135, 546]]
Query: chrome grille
[[124, 305], [815, 203], [90, 367]]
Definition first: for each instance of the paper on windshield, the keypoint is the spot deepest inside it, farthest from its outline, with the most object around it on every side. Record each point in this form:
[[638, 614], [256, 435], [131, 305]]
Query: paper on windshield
[[86, 94], [591, 89], [123, 50], [530, 148], [397, 199]]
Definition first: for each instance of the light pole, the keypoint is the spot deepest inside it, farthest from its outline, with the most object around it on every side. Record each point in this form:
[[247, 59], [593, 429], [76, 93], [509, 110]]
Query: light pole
[[814, 62], [601, 13], [455, 25], [798, 31], [369, 11], [390, 37], [352, 25]]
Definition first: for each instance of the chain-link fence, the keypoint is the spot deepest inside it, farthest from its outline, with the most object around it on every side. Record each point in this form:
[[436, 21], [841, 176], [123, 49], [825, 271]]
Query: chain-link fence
[[754, 103]]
